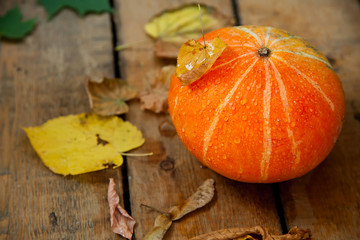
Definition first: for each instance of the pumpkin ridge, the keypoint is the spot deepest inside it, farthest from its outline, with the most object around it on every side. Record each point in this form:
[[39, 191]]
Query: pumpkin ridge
[[242, 45], [257, 38], [232, 60], [265, 161], [285, 103], [309, 80], [208, 134], [305, 55], [267, 35], [282, 39]]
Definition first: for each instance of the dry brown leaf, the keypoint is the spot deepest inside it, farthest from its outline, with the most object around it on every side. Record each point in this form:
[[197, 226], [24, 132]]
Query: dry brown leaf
[[156, 98], [200, 198], [194, 59], [121, 222], [108, 96], [254, 233], [161, 225]]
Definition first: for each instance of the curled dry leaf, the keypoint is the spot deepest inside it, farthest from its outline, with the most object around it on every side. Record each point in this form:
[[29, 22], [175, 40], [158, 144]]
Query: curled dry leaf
[[83, 143], [200, 198], [161, 225], [194, 59], [254, 233], [108, 96], [156, 98], [121, 222], [171, 28]]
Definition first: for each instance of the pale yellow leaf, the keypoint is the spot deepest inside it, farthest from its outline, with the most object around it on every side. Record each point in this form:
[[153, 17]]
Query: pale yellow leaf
[[83, 143], [176, 26]]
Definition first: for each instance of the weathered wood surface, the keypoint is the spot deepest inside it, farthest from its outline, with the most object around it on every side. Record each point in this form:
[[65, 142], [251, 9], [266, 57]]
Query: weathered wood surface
[[171, 175], [43, 77], [327, 199]]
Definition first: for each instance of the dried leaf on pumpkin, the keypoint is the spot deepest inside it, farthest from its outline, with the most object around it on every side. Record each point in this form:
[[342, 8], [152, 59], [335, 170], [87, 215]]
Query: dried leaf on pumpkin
[[121, 222], [156, 98], [194, 60], [171, 28], [254, 233], [108, 96], [200, 198], [83, 143]]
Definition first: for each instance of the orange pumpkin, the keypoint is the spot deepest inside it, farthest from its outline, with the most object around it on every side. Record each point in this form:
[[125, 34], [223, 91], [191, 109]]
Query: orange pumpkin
[[270, 108]]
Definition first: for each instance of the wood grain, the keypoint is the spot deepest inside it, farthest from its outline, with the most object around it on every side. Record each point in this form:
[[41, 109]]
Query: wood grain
[[327, 199], [171, 175], [42, 77]]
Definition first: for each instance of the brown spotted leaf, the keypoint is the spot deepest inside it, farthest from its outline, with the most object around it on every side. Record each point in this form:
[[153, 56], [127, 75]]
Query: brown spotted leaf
[[194, 59], [109, 96], [121, 222], [200, 198], [254, 233], [156, 98]]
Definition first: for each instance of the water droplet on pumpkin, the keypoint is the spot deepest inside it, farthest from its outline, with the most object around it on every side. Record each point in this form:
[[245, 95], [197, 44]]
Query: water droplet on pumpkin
[[226, 119], [224, 157], [292, 124], [244, 118], [205, 90], [243, 101], [237, 140], [247, 107], [182, 129]]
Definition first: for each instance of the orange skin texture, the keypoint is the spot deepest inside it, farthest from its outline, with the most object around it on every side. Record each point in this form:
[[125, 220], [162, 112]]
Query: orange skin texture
[[260, 119]]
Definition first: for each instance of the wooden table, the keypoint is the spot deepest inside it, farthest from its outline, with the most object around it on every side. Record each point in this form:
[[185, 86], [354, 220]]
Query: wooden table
[[43, 76]]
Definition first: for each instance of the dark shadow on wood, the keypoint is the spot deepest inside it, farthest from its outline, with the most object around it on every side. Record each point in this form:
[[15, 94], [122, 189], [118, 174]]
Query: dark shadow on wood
[[235, 7], [280, 208]]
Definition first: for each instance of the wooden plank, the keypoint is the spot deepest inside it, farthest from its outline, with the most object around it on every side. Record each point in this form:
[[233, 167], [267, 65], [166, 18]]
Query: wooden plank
[[327, 199], [42, 77], [171, 175]]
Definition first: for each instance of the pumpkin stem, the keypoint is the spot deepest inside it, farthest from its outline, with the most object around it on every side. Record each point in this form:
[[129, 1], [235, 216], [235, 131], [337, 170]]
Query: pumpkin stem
[[264, 52]]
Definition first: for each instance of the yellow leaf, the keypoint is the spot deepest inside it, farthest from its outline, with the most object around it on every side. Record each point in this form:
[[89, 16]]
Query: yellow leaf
[[108, 96], [83, 143], [178, 25], [194, 60]]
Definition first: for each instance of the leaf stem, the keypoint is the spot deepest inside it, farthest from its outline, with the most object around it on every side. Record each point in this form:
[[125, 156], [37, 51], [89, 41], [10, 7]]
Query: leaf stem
[[137, 154], [202, 28], [129, 45]]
